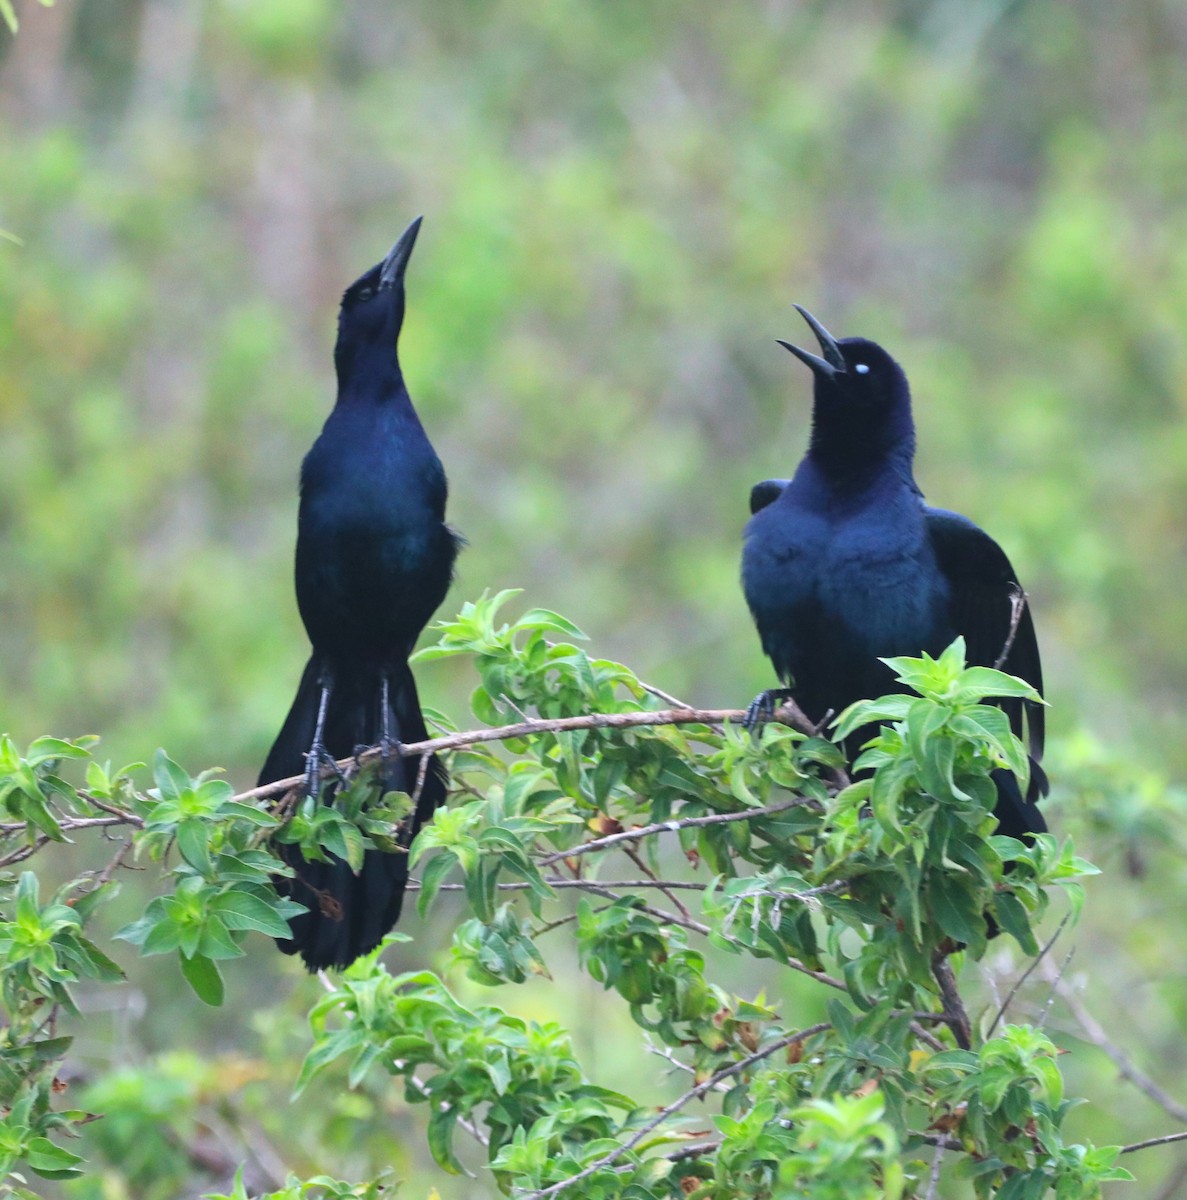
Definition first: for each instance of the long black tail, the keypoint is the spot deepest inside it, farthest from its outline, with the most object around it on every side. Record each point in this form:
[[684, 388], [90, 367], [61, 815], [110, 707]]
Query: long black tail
[[1018, 816], [349, 914]]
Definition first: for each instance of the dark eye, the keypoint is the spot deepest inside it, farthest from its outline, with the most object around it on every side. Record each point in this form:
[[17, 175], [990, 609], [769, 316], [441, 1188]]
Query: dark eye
[[862, 369]]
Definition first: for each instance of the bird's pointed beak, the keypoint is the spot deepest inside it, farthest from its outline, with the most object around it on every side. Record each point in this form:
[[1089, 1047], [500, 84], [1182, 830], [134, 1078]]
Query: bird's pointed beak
[[833, 362], [398, 256]]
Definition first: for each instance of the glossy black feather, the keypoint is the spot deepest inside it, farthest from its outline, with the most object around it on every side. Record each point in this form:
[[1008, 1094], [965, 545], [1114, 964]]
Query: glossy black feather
[[982, 585]]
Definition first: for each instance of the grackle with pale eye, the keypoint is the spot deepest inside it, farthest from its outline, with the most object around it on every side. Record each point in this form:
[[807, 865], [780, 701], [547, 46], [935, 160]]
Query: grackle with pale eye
[[845, 564]]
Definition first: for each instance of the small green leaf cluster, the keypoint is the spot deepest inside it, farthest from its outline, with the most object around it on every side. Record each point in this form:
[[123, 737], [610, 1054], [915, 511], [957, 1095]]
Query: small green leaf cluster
[[347, 819], [223, 887], [651, 966], [30, 785], [44, 950], [521, 1075], [914, 837], [556, 680], [842, 1150], [1009, 1097]]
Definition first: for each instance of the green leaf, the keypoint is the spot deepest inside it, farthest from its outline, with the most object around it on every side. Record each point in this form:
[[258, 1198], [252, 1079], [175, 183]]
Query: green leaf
[[544, 618], [1012, 916], [28, 910], [242, 910], [193, 843], [170, 779], [955, 911], [440, 1136], [94, 962], [50, 1161], [431, 878], [342, 838], [202, 974], [985, 681], [44, 749]]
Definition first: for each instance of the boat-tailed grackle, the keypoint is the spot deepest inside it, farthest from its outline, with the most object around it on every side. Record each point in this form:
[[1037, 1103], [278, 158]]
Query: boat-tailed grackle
[[845, 564], [374, 561]]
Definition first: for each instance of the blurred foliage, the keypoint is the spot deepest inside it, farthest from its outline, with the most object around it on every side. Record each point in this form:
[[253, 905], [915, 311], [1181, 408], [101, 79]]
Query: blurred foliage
[[622, 202]]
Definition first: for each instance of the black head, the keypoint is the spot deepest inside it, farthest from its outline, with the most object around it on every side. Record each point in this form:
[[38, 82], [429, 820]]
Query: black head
[[862, 402], [372, 311]]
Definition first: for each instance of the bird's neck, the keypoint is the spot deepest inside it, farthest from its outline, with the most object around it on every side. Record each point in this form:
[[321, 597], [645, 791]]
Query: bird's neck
[[856, 465], [371, 378]]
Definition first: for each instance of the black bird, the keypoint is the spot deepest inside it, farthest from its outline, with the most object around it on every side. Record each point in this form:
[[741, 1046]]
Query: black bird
[[845, 563], [374, 561]]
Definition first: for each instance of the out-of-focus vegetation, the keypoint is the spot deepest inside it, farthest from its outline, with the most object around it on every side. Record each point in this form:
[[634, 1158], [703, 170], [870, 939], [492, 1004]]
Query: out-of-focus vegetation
[[621, 201]]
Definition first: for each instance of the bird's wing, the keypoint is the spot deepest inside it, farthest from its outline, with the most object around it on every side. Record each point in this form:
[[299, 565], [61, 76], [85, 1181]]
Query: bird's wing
[[766, 493], [983, 584]]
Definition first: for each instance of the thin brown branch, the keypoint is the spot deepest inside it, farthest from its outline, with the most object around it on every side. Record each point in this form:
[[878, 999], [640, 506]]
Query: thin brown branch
[[597, 889], [667, 697], [925, 1035], [129, 818], [413, 885], [674, 702], [24, 852], [669, 1056], [669, 1110], [785, 714], [70, 824], [673, 826], [933, 1178], [117, 861], [696, 1150], [637, 859], [954, 1013], [1165, 1140], [1046, 949], [1098, 1036], [422, 773], [1055, 981]]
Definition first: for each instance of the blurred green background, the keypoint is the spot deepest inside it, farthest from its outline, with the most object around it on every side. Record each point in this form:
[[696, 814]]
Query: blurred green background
[[622, 201]]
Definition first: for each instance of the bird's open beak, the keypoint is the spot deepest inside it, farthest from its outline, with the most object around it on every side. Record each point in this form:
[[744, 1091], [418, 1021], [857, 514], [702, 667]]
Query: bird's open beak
[[833, 362], [398, 256]]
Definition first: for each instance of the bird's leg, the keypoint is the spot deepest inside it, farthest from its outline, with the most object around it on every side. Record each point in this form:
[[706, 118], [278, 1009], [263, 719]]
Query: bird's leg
[[317, 756], [762, 707], [389, 747]]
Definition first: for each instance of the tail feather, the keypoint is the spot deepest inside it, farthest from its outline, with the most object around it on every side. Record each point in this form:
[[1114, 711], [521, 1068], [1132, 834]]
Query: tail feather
[[1017, 816], [349, 913]]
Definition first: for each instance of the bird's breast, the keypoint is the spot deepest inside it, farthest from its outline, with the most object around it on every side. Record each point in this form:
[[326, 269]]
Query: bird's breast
[[870, 577]]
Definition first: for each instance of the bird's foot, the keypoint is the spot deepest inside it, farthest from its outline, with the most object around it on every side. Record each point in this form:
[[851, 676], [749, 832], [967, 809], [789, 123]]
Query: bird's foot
[[318, 758], [762, 707], [356, 754]]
